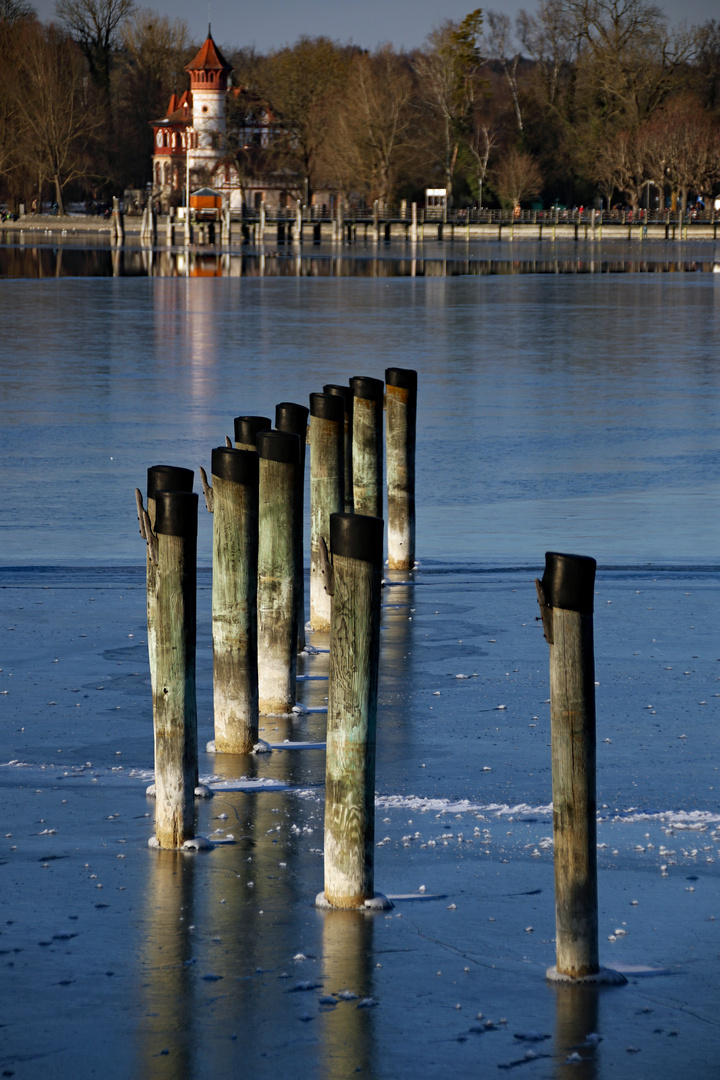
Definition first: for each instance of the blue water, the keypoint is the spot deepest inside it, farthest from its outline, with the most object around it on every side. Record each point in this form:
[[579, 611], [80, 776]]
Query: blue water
[[570, 411], [576, 411]]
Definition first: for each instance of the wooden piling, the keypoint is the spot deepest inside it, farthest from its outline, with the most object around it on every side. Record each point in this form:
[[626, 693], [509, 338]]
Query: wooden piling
[[234, 599], [159, 478], [345, 392], [247, 429], [356, 544], [566, 604], [174, 702], [401, 408], [368, 397], [277, 575], [327, 472], [293, 418]]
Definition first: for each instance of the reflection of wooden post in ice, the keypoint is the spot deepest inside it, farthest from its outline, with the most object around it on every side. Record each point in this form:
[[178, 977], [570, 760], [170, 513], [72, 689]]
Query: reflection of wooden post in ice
[[277, 572], [247, 429], [576, 1018], [354, 579], [347, 1034], [293, 418], [234, 504], [566, 604], [345, 392], [401, 407], [368, 401], [327, 434], [174, 703], [169, 986]]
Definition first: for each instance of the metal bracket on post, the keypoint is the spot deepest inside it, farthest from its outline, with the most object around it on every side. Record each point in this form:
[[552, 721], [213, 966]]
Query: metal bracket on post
[[151, 539], [140, 512], [207, 490], [327, 570], [545, 612]]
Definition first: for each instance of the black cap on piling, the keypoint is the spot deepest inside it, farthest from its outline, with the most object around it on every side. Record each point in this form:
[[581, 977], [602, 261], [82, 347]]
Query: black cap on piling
[[168, 478], [406, 378], [279, 446], [569, 581], [340, 390], [247, 428], [292, 417], [328, 407], [365, 387], [357, 536], [176, 513], [239, 466]]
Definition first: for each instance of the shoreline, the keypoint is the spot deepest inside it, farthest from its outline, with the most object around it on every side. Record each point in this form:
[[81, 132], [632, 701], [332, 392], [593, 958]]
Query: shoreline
[[314, 233]]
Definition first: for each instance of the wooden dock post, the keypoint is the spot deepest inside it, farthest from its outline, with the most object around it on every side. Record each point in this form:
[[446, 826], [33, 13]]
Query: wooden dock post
[[401, 408], [247, 429], [566, 605], [368, 399], [327, 477], [356, 544], [294, 418], [345, 392], [159, 478], [277, 572], [174, 702], [234, 506], [414, 223]]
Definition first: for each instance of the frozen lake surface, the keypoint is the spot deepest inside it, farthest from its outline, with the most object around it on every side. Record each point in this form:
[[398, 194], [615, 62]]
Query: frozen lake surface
[[566, 411]]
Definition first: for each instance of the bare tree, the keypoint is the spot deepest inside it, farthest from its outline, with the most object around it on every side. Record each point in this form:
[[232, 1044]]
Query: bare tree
[[59, 116], [619, 164], [630, 60], [15, 11], [95, 25], [500, 47], [447, 71], [681, 147], [481, 142], [302, 84], [550, 39], [517, 177], [374, 124]]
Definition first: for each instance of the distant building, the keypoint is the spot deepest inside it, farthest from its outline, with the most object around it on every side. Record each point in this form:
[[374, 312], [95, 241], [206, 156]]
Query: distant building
[[195, 128]]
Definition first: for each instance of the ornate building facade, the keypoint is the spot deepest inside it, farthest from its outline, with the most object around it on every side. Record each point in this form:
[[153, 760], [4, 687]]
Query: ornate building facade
[[193, 136]]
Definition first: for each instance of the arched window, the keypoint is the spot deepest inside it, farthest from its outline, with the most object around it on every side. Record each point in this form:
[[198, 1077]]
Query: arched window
[[157, 173], [167, 172]]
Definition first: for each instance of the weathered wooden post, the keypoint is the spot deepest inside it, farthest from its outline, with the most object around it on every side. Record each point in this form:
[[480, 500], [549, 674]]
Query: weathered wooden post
[[376, 222], [414, 224], [368, 397], [294, 418], [566, 604], [345, 392], [327, 470], [261, 230], [159, 478], [277, 575], [401, 408], [174, 702], [247, 429], [233, 500], [356, 544]]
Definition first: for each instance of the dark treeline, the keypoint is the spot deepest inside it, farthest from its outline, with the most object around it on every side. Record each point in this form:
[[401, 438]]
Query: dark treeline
[[577, 101]]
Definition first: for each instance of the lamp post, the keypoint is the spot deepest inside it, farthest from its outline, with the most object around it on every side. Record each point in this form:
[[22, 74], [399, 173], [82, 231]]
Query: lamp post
[[188, 139]]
